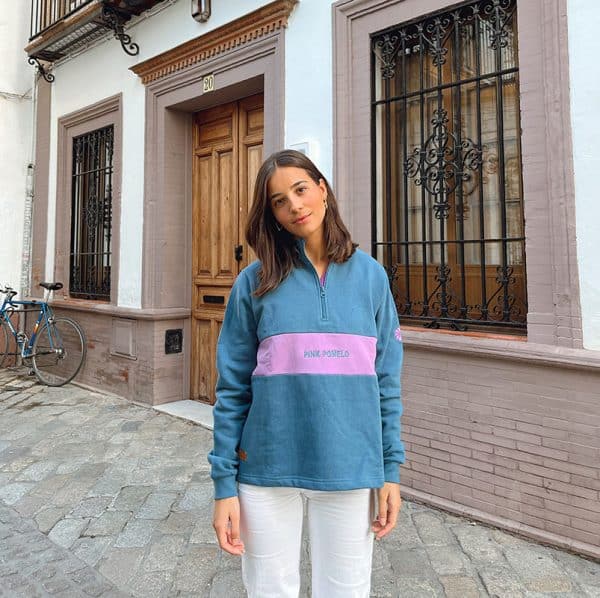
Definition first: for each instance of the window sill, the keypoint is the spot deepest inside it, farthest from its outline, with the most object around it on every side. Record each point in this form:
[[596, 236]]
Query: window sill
[[108, 309], [474, 334], [499, 346]]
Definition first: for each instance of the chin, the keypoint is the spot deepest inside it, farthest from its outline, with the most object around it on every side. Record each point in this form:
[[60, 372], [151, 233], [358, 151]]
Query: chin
[[304, 234]]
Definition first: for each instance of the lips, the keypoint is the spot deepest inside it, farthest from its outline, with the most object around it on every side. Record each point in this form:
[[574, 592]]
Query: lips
[[302, 220]]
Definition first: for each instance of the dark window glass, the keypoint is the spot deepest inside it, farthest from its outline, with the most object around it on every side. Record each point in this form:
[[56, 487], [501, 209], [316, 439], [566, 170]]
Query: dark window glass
[[91, 214], [448, 194]]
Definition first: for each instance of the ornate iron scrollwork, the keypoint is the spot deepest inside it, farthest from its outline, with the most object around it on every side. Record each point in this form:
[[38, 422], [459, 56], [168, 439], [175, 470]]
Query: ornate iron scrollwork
[[386, 50], [433, 35], [499, 13], [41, 69], [114, 21], [442, 163]]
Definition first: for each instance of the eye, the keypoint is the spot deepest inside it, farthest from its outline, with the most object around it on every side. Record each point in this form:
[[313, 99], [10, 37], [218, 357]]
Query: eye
[[302, 189], [277, 203]]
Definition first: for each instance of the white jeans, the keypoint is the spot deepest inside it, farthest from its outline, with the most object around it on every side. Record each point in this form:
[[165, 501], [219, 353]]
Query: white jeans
[[341, 541]]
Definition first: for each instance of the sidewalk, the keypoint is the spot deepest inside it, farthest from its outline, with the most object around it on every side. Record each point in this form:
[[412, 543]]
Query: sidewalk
[[100, 497]]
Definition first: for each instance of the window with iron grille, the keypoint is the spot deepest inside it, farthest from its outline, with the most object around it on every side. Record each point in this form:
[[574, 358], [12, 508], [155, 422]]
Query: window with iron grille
[[91, 214], [447, 192]]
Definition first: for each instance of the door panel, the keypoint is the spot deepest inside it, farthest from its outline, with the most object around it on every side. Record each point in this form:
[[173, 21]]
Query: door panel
[[227, 155], [201, 217], [251, 157], [205, 332], [223, 232]]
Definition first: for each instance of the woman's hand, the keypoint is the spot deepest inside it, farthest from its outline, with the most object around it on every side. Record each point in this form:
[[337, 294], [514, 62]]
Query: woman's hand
[[226, 521], [389, 501]]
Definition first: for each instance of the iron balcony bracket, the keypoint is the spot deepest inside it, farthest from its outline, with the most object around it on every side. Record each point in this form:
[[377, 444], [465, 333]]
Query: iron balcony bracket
[[114, 20], [41, 69]]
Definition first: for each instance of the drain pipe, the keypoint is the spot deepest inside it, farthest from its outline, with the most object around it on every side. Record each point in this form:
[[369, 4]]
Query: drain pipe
[[28, 215], [29, 195]]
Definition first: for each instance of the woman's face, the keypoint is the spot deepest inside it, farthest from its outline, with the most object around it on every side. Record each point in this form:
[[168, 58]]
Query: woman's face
[[297, 202]]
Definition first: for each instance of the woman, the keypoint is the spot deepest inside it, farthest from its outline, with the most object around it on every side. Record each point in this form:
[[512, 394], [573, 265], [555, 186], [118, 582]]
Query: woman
[[308, 395]]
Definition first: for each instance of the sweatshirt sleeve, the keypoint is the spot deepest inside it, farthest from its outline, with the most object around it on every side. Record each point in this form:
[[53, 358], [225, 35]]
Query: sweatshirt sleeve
[[236, 360], [388, 365]]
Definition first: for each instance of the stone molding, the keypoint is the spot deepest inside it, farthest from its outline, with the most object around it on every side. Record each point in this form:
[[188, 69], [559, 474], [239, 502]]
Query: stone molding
[[237, 74], [107, 309], [502, 348], [259, 23], [100, 114], [41, 175], [101, 108]]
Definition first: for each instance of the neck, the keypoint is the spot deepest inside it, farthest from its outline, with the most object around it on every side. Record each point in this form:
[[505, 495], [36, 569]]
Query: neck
[[316, 251]]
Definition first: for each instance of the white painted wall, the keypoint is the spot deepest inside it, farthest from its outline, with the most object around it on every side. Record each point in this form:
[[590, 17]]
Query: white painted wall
[[16, 80], [308, 83], [583, 18], [175, 25]]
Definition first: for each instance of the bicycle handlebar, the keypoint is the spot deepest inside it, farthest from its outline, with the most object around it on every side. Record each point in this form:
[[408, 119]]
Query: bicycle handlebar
[[8, 291]]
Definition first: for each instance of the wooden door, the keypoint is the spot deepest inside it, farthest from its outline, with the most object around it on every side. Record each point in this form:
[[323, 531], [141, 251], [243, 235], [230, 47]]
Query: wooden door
[[227, 143]]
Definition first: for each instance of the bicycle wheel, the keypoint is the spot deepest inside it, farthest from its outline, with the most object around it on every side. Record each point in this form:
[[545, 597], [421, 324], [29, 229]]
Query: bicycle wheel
[[5, 336], [58, 352]]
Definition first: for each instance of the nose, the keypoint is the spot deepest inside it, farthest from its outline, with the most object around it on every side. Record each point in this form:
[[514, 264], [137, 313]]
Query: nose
[[296, 203]]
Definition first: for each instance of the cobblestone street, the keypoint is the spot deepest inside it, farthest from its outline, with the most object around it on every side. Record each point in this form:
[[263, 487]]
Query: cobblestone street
[[100, 497]]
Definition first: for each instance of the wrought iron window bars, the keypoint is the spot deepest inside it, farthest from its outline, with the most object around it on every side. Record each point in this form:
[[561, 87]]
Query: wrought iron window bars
[[91, 215], [447, 211]]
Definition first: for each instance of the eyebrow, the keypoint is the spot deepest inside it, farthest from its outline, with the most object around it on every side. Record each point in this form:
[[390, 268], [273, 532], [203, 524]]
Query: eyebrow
[[272, 197]]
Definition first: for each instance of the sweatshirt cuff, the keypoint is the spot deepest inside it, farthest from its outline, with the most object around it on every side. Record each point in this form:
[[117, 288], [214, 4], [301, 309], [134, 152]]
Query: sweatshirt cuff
[[391, 472], [225, 487]]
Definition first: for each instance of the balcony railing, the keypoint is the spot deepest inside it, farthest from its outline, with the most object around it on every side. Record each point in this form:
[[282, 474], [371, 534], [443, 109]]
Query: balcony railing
[[45, 13]]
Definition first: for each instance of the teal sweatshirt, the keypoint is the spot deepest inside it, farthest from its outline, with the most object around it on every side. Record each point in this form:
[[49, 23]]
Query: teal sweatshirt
[[308, 392]]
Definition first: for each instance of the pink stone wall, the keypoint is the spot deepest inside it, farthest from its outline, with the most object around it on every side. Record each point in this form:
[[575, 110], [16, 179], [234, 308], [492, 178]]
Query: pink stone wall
[[512, 439]]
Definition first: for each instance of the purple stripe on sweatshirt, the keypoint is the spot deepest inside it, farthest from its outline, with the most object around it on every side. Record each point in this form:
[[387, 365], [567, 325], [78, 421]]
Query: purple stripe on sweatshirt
[[316, 353]]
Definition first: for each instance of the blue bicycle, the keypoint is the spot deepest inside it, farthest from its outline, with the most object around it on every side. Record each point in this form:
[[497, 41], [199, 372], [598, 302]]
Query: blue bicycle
[[56, 348]]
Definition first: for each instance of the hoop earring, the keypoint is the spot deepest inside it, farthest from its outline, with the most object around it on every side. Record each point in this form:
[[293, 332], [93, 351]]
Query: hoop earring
[[325, 203], [278, 227]]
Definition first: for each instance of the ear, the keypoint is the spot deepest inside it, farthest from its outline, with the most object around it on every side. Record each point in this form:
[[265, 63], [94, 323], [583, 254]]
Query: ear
[[323, 188]]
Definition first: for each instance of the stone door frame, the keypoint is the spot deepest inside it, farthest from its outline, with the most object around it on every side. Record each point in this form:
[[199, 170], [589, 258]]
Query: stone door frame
[[256, 65]]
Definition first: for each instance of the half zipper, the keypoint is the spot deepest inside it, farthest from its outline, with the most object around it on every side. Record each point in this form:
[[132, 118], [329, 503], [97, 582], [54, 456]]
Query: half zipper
[[323, 296], [321, 287]]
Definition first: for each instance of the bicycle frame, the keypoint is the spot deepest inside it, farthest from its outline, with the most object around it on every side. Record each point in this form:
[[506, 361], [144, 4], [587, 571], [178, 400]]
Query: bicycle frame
[[45, 316]]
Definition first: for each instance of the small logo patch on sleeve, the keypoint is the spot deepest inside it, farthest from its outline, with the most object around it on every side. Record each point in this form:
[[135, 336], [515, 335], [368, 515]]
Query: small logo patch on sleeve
[[398, 334], [242, 454]]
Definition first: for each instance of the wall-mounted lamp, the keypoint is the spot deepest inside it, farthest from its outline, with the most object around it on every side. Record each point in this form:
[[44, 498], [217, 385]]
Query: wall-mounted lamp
[[201, 10]]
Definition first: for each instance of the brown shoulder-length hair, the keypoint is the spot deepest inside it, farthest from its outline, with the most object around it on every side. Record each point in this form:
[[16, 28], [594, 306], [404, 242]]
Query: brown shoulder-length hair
[[276, 248]]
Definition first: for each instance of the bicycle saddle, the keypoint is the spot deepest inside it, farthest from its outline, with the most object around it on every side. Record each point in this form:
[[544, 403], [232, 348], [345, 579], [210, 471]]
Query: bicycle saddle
[[52, 286]]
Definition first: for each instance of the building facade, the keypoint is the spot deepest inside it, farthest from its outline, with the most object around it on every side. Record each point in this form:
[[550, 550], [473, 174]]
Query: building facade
[[459, 139]]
